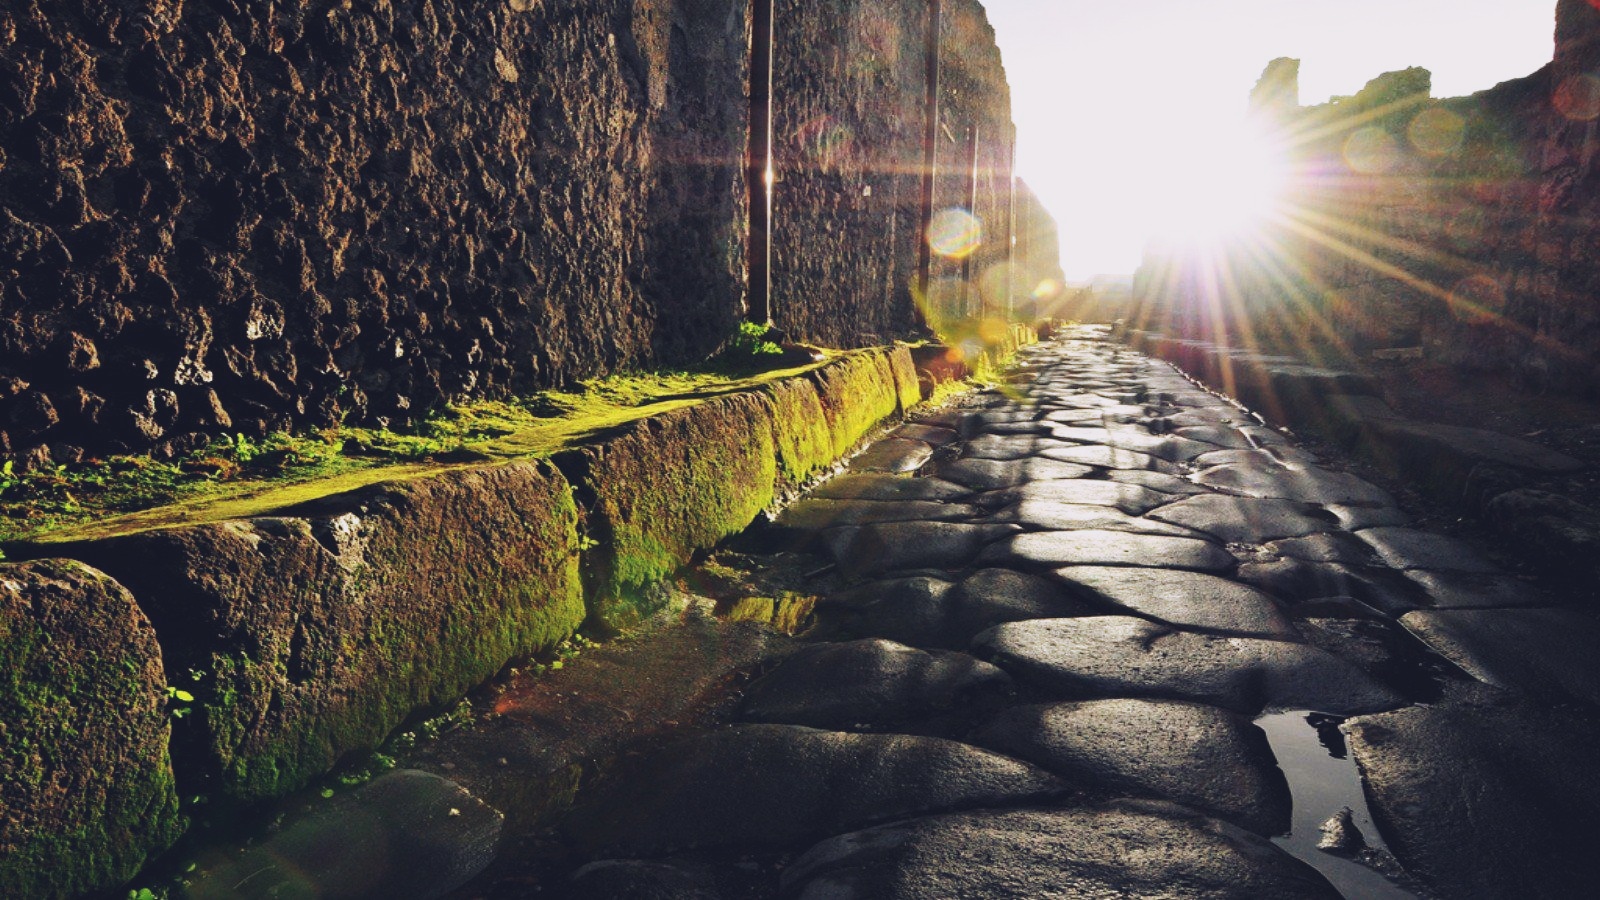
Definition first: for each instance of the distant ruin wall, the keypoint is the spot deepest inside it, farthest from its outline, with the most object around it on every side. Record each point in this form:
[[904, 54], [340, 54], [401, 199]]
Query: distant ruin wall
[[219, 216], [1464, 226]]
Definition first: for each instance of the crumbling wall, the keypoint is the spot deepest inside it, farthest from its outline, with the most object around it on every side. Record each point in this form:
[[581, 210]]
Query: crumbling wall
[[220, 216], [1460, 225]]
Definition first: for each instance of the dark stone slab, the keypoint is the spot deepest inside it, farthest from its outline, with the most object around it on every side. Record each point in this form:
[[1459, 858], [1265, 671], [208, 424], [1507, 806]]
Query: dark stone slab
[[1129, 498], [1052, 549], [815, 514], [1001, 447], [1156, 481], [776, 786], [1108, 458], [1183, 599], [1050, 515], [893, 455], [1408, 548], [1117, 656], [1216, 435], [991, 474], [888, 487], [611, 879], [407, 834], [1334, 547], [1486, 801], [873, 684], [1246, 520], [1125, 848], [936, 435], [1205, 758], [1356, 516], [1308, 485], [1545, 653], [989, 597], [1296, 580], [1476, 590], [915, 611], [899, 546]]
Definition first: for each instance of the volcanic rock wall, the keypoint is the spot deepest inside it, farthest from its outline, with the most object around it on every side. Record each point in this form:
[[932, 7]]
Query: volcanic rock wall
[[219, 216], [1461, 225]]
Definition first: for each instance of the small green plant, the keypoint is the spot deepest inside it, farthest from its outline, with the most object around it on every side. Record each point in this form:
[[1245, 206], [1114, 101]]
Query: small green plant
[[750, 341], [178, 700]]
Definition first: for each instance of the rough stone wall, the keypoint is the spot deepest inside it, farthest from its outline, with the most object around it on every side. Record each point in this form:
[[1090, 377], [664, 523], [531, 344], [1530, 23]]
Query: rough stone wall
[[850, 78], [1460, 225], [221, 216], [1037, 267], [225, 215]]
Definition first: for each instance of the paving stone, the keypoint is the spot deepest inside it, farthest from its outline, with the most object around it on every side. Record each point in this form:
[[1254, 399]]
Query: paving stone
[[1050, 515], [1119, 656], [1408, 548], [1083, 401], [1262, 436], [1205, 758], [636, 879], [1216, 435], [1356, 516], [1296, 580], [989, 597], [872, 684], [1157, 481], [1052, 549], [1308, 485], [1548, 654], [1487, 801], [1108, 458], [898, 546], [1334, 547], [1476, 590], [1002, 447], [1125, 848], [760, 787], [873, 486], [991, 474], [917, 611], [406, 834], [1183, 599], [1275, 457], [1200, 417], [1137, 439], [895, 455], [1129, 498], [935, 435], [1246, 520], [815, 515]]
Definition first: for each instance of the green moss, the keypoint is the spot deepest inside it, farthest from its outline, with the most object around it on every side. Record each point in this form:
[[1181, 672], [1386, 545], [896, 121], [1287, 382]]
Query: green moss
[[238, 478], [857, 393], [804, 442], [85, 781], [676, 485]]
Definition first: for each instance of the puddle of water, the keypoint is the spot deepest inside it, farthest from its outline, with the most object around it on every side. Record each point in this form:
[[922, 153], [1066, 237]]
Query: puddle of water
[[1323, 780]]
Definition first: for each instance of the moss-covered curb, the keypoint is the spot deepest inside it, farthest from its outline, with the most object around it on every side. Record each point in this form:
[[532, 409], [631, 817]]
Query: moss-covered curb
[[307, 637], [86, 785], [310, 633]]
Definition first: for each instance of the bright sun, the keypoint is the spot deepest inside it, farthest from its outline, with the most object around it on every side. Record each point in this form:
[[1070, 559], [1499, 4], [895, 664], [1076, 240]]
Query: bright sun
[[1222, 186]]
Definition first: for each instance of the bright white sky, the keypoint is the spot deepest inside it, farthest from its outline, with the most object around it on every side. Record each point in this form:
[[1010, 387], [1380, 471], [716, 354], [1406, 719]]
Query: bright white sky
[[1108, 94]]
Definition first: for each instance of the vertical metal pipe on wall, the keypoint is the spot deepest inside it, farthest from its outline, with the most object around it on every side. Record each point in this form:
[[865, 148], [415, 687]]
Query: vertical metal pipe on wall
[[930, 152], [758, 165]]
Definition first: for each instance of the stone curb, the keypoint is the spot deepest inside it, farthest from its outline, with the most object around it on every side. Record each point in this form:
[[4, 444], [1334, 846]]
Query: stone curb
[[309, 636]]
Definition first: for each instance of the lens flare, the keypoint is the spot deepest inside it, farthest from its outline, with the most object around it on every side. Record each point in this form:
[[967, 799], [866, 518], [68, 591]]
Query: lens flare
[[1437, 132], [1048, 289], [955, 233], [1372, 151], [1223, 187]]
